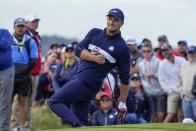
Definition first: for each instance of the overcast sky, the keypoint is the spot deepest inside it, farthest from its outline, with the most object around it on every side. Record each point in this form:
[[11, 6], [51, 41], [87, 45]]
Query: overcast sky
[[74, 18]]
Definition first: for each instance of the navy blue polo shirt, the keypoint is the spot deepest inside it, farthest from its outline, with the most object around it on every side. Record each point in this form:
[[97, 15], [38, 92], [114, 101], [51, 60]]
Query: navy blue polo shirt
[[115, 51]]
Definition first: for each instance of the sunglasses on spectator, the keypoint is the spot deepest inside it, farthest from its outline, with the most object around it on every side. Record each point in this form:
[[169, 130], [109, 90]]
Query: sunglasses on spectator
[[69, 50], [20, 25], [190, 52], [135, 79], [105, 100], [146, 51]]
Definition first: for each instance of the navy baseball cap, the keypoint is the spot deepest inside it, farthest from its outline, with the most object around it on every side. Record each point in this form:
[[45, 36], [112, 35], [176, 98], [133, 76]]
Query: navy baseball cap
[[19, 21], [135, 76], [116, 13], [166, 47], [69, 46], [191, 49], [183, 42]]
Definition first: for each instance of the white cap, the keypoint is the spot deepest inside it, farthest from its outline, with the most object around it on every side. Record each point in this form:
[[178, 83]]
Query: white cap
[[187, 120], [131, 42], [32, 17]]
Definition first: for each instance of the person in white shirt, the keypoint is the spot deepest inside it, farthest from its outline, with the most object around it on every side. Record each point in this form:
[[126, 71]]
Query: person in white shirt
[[168, 75], [187, 74], [148, 69]]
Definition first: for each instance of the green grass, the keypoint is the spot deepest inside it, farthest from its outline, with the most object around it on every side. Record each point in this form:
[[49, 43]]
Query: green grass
[[135, 127], [44, 120]]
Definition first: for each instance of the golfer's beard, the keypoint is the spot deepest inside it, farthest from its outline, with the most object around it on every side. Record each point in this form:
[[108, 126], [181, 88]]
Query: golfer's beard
[[113, 31]]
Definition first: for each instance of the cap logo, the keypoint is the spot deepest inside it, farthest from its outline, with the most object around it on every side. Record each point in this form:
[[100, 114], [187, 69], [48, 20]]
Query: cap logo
[[111, 116], [113, 11], [111, 48]]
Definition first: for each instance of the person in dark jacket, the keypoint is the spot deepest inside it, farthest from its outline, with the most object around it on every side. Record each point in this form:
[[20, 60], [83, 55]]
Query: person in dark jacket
[[65, 70], [106, 115], [138, 102], [6, 78], [45, 89]]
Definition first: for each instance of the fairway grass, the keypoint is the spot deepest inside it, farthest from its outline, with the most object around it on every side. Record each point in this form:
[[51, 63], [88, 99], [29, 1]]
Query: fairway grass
[[135, 127], [44, 120]]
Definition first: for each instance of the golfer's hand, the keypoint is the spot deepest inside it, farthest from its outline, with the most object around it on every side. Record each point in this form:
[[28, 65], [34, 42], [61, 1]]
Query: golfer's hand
[[100, 59], [122, 110]]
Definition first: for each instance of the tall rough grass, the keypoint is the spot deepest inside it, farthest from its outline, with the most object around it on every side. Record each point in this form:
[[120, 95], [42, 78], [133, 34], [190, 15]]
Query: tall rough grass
[[43, 118]]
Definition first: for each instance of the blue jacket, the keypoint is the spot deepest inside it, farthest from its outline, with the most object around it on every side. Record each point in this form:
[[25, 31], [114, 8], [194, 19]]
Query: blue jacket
[[63, 75], [24, 56], [6, 41], [101, 118], [140, 106], [44, 89], [115, 51]]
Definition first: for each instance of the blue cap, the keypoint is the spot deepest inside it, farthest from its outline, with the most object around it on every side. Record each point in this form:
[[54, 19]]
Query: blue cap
[[131, 42], [69, 46], [191, 49], [116, 13], [183, 42], [19, 21]]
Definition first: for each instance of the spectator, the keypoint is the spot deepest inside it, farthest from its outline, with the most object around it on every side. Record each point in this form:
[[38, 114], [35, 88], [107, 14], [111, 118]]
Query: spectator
[[24, 54], [106, 115], [65, 70], [32, 26], [54, 46], [187, 74], [147, 42], [139, 46], [182, 47], [168, 75], [148, 68], [45, 88], [6, 78], [94, 104], [136, 56], [138, 104], [162, 40], [51, 57], [75, 44], [99, 56]]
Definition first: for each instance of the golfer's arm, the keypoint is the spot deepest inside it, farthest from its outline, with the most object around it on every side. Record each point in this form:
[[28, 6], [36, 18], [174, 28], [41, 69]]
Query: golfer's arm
[[123, 92], [86, 55]]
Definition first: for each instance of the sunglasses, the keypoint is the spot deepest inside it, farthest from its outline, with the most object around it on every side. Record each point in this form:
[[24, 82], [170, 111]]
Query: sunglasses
[[70, 51], [20, 25], [105, 100], [190, 52], [135, 79], [146, 51]]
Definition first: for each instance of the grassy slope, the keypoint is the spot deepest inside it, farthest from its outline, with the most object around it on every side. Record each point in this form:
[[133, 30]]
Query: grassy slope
[[43, 119]]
